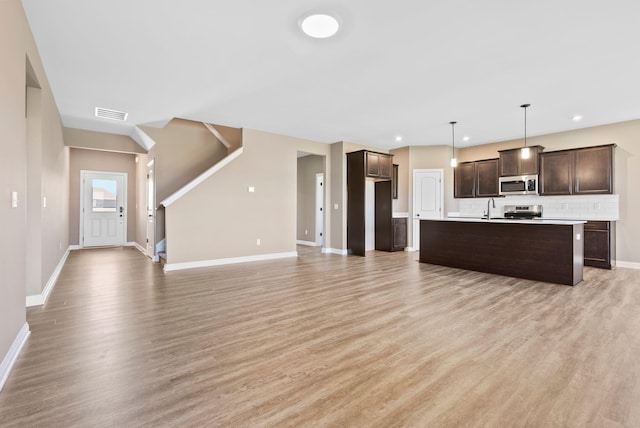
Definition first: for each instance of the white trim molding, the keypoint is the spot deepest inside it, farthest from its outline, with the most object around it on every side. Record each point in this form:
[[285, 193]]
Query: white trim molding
[[307, 243], [335, 251], [9, 360], [41, 299], [168, 267], [75, 247], [628, 265], [202, 177], [138, 247]]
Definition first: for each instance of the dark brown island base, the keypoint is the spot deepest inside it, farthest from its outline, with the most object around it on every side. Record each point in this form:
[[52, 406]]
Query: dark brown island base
[[540, 250]]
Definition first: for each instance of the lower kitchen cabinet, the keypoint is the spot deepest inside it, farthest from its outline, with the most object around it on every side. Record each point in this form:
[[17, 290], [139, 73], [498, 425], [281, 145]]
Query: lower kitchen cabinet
[[600, 244], [399, 234], [390, 232]]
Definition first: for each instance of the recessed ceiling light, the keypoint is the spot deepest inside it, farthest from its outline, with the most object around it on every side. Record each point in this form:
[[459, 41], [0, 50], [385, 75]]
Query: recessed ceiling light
[[576, 118], [398, 138], [320, 26], [465, 138]]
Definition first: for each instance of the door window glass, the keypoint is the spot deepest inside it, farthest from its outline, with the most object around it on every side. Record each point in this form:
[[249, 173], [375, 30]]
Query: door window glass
[[104, 195]]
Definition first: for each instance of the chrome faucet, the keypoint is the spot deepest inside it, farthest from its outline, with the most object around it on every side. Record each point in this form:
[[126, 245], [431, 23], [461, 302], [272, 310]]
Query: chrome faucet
[[490, 202]]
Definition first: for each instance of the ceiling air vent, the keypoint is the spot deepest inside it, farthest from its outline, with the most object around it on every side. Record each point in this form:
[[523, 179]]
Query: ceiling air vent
[[106, 113]]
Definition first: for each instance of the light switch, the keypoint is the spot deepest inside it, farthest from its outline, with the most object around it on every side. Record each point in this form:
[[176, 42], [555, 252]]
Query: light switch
[[252, 189], [335, 206], [14, 199], [44, 202], [577, 236]]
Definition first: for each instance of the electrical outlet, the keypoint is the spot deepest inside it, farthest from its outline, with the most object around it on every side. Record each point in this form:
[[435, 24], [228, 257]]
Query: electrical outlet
[[335, 206], [306, 232], [258, 242]]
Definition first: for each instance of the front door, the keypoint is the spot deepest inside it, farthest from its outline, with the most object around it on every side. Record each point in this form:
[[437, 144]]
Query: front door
[[427, 199], [103, 208]]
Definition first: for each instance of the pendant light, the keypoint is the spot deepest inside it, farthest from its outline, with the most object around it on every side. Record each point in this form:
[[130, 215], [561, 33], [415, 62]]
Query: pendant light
[[454, 161], [525, 153]]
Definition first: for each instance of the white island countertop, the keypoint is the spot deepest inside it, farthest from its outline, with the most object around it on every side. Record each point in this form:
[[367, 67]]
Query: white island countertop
[[505, 220]]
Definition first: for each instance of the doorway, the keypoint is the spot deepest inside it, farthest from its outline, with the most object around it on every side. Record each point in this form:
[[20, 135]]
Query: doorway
[[103, 208], [427, 199], [310, 203], [320, 209], [151, 211]]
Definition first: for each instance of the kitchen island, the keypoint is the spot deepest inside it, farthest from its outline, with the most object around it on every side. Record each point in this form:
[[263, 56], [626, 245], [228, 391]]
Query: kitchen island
[[540, 250]]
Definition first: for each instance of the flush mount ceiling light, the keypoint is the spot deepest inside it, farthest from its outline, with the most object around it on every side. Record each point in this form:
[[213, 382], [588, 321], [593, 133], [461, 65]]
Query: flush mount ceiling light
[[465, 138], [576, 118], [320, 26], [454, 161], [525, 153], [398, 138], [105, 113]]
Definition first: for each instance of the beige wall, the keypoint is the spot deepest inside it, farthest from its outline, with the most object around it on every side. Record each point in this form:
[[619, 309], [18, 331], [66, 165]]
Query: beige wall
[[141, 200], [627, 170], [18, 165], [221, 219], [184, 149], [308, 167], [93, 160], [83, 139]]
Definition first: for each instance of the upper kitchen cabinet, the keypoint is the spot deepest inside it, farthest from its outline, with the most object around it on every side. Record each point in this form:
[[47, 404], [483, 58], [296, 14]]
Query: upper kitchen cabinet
[[477, 179], [378, 165], [464, 180], [487, 178], [593, 170], [511, 162], [585, 171], [555, 173]]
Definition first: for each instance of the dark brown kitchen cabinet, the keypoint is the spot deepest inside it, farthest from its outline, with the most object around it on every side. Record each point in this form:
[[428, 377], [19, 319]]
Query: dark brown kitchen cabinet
[[379, 165], [593, 170], [360, 166], [390, 233], [477, 179], [511, 162], [399, 234], [487, 178], [464, 180], [585, 171], [555, 173], [600, 244]]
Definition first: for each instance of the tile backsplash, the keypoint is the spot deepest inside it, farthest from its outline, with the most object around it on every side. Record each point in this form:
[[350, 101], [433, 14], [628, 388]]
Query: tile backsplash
[[593, 207]]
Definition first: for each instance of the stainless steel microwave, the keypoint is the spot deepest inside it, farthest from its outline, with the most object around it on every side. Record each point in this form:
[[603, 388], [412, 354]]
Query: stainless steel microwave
[[519, 185]]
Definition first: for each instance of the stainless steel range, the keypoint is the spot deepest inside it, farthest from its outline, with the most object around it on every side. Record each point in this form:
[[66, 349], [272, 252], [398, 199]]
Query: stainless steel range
[[520, 212]]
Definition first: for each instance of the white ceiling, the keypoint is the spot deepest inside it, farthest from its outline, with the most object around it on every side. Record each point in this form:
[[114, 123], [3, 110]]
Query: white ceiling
[[407, 67]]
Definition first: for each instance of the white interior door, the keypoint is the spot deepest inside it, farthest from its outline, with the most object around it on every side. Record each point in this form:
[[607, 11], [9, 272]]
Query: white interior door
[[320, 209], [151, 211], [427, 199], [104, 209]]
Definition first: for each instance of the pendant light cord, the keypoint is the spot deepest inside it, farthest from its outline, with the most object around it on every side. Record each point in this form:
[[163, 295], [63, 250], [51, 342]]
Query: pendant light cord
[[453, 139], [524, 106]]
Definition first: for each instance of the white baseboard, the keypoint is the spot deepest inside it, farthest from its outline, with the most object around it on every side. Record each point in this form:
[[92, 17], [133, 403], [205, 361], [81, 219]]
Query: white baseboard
[[335, 251], [231, 260], [74, 247], [410, 249], [138, 247], [307, 243], [41, 299], [628, 265], [9, 360]]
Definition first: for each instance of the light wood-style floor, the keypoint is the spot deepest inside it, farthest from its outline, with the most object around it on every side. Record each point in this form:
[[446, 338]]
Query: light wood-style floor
[[326, 340]]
